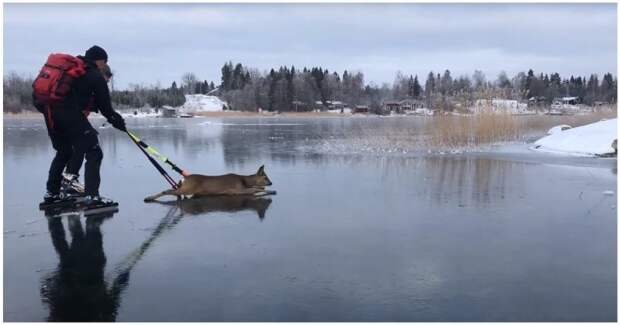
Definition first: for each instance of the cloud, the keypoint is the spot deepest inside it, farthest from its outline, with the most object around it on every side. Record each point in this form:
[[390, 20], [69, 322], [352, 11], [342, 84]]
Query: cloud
[[159, 42]]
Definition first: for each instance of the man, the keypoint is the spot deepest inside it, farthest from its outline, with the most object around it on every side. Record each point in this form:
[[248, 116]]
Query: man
[[69, 129], [70, 184]]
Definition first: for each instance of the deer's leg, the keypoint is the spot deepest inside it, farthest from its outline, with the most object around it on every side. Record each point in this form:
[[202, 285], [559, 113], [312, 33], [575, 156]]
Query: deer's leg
[[160, 194], [263, 193]]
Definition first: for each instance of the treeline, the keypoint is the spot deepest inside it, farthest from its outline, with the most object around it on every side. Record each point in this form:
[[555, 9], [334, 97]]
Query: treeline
[[289, 89], [154, 96], [18, 93]]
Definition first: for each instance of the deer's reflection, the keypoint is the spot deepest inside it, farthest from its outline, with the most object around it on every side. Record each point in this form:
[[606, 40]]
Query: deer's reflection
[[77, 290], [230, 204]]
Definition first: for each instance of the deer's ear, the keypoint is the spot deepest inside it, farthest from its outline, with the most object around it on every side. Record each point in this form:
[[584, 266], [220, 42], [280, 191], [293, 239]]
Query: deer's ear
[[261, 170]]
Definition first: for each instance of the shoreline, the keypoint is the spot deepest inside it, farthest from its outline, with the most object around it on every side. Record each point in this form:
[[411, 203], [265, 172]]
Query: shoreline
[[33, 115], [241, 114]]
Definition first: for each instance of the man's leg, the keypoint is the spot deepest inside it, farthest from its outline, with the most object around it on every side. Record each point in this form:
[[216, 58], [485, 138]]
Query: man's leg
[[75, 163], [56, 167], [62, 145], [70, 183], [88, 146]]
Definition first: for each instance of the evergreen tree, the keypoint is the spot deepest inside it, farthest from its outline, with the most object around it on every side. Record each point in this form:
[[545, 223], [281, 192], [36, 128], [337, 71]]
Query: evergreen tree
[[446, 83], [410, 87], [528, 83], [429, 89], [503, 81], [272, 90], [592, 90], [227, 76], [417, 89], [607, 88]]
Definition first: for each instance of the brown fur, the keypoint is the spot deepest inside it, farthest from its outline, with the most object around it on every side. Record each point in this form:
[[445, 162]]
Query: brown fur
[[229, 184]]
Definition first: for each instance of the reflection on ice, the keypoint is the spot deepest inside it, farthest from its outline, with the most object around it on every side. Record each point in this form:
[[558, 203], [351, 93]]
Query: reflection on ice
[[77, 290], [227, 204]]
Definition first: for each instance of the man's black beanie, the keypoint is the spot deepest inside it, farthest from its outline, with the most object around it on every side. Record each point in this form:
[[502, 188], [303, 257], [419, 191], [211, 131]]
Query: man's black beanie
[[96, 53]]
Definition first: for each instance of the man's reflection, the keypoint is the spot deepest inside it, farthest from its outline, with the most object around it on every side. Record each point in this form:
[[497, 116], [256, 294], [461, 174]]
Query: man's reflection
[[77, 290]]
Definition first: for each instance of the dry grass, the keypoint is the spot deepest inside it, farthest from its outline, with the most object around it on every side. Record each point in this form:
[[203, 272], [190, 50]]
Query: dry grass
[[441, 133], [463, 131], [460, 131]]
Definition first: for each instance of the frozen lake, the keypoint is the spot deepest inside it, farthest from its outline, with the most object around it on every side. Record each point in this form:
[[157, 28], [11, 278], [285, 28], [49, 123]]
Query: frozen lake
[[505, 235]]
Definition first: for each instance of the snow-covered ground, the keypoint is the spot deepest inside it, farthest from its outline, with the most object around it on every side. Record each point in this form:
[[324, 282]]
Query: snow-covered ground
[[338, 111], [202, 103], [588, 140], [500, 106], [558, 128], [141, 113], [420, 111], [193, 104]]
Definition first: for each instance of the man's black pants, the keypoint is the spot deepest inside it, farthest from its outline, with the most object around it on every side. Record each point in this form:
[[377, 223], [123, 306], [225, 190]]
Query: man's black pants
[[75, 163], [72, 134]]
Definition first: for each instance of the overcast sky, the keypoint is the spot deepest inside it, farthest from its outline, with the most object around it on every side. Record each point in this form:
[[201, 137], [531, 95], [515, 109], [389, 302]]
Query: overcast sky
[[150, 43]]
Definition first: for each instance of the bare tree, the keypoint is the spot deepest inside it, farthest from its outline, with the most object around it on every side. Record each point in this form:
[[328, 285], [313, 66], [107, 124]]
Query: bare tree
[[188, 82]]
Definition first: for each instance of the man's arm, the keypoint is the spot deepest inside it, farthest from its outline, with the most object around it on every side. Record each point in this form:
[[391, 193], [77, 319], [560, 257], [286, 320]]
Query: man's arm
[[104, 104], [102, 96]]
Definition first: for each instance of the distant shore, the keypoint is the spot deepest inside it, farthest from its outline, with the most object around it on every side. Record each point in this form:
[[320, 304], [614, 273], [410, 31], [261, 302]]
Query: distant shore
[[22, 115], [32, 115]]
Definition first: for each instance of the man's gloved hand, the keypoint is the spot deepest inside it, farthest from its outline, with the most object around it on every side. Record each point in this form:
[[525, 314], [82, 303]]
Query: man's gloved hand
[[118, 122]]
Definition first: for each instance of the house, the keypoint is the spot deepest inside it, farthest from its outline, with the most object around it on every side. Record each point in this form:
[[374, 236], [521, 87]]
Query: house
[[600, 103], [406, 105], [332, 105], [299, 106], [498, 105], [402, 106], [362, 109], [391, 106], [168, 111], [536, 101], [566, 104], [411, 104], [570, 100], [335, 105]]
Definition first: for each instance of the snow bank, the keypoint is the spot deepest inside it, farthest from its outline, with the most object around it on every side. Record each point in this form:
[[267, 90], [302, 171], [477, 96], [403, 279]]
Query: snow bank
[[202, 103], [558, 129], [588, 140]]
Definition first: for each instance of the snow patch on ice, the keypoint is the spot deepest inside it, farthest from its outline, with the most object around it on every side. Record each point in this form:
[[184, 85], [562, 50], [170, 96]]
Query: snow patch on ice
[[558, 129], [588, 140]]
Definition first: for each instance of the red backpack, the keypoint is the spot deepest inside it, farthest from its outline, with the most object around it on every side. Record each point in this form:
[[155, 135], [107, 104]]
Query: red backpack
[[54, 81]]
